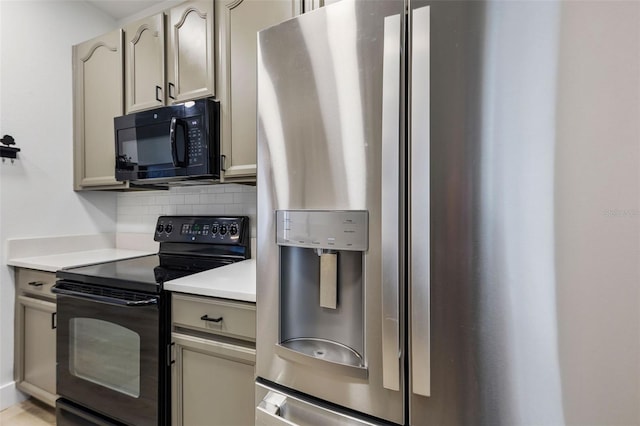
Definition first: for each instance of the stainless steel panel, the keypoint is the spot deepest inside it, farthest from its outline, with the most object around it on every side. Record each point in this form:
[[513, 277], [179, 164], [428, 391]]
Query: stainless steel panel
[[320, 148], [336, 230], [391, 204], [420, 227]]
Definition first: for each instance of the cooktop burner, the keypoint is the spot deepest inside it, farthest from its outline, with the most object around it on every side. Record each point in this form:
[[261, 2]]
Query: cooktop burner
[[188, 245]]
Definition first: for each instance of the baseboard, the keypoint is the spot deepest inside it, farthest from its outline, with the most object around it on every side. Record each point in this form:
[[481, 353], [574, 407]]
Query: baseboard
[[9, 395]]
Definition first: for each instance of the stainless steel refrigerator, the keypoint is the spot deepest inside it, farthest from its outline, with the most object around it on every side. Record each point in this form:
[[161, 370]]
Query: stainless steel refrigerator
[[404, 253]]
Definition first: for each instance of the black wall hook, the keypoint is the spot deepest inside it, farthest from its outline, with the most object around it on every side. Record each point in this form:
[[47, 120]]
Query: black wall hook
[[8, 151]]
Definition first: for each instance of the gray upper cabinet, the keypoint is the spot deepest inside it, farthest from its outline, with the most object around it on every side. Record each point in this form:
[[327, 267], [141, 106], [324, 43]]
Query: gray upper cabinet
[[144, 58], [190, 51], [237, 24], [188, 70], [98, 98]]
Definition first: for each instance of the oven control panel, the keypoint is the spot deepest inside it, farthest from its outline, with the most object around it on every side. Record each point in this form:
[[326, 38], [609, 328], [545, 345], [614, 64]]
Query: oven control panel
[[203, 229]]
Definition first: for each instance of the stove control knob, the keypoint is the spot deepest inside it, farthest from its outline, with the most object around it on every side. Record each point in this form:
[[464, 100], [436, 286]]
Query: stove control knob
[[159, 228], [214, 229], [223, 230], [233, 230], [168, 228]]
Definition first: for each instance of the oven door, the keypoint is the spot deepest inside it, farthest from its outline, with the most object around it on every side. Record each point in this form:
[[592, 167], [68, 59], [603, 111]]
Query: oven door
[[108, 350]]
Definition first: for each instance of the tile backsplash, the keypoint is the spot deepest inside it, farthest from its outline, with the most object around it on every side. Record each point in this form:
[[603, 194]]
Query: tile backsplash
[[138, 211]]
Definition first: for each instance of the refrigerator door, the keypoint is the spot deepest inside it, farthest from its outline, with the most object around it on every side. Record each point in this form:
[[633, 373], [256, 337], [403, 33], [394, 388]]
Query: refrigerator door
[[328, 140], [444, 331]]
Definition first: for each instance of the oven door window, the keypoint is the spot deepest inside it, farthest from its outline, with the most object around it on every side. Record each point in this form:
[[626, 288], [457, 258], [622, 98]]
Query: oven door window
[[106, 354]]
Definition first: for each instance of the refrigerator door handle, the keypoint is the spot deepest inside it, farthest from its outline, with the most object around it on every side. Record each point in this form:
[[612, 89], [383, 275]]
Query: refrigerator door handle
[[419, 231], [390, 193]]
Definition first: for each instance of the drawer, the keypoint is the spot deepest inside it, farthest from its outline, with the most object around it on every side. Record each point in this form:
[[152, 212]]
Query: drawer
[[35, 282], [235, 319]]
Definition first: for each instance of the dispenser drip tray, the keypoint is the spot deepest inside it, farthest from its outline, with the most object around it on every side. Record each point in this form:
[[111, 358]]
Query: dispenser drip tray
[[325, 350]]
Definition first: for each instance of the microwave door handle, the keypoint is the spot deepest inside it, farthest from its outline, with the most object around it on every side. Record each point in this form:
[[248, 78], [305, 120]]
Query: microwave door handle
[[176, 124]]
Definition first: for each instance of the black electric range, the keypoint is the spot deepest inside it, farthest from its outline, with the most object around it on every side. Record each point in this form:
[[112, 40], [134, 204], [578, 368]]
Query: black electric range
[[113, 331]]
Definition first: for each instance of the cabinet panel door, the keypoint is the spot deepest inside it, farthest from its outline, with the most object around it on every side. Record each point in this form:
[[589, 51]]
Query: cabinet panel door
[[190, 51], [144, 73], [37, 338], [98, 98], [213, 383], [237, 24]]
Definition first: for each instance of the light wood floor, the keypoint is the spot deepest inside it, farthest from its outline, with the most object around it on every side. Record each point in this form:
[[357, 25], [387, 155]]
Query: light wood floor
[[28, 413]]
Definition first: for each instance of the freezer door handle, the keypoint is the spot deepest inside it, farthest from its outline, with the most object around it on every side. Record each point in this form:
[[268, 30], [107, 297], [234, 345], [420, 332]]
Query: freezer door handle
[[419, 221], [277, 409], [390, 204], [268, 412]]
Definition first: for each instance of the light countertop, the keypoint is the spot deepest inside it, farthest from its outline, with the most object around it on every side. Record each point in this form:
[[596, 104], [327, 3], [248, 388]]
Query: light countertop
[[54, 262], [236, 281]]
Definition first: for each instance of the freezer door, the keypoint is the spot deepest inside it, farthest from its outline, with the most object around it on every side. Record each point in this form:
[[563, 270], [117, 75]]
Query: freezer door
[[278, 408], [329, 134]]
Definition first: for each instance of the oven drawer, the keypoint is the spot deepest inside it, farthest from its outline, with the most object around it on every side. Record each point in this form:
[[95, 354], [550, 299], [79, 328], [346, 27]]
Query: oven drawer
[[235, 319], [35, 282]]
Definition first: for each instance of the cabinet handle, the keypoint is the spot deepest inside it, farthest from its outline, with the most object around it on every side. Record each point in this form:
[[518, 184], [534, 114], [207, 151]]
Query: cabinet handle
[[158, 91], [169, 360], [54, 323], [206, 318], [36, 283], [172, 90]]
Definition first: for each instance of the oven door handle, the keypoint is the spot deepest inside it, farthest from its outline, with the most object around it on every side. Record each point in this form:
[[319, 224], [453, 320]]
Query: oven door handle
[[104, 299]]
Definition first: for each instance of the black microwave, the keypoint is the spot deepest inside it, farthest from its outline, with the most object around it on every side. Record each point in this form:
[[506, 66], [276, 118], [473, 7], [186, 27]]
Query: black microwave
[[173, 143]]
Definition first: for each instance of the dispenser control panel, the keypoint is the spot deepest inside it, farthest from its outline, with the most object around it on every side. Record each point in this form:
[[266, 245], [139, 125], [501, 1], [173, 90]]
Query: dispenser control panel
[[328, 229]]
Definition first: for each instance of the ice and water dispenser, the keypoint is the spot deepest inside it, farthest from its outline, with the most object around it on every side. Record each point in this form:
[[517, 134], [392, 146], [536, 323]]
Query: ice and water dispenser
[[322, 286]]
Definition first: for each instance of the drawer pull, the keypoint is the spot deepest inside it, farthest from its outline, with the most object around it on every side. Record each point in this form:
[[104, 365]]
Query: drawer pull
[[36, 283], [206, 318]]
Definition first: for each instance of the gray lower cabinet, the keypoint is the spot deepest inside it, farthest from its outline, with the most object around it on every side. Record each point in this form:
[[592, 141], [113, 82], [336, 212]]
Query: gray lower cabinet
[[214, 361], [35, 335]]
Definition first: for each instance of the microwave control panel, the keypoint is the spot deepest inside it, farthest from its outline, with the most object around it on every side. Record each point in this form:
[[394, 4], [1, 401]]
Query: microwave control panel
[[197, 150], [202, 229]]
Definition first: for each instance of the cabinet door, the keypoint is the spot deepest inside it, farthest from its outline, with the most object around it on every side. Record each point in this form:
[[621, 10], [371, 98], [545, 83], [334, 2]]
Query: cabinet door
[[144, 71], [212, 383], [237, 24], [36, 341], [98, 98], [190, 51]]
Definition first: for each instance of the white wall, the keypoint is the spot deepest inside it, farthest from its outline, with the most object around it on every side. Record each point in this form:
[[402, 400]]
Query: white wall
[[561, 208], [36, 196], [598, 211]]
